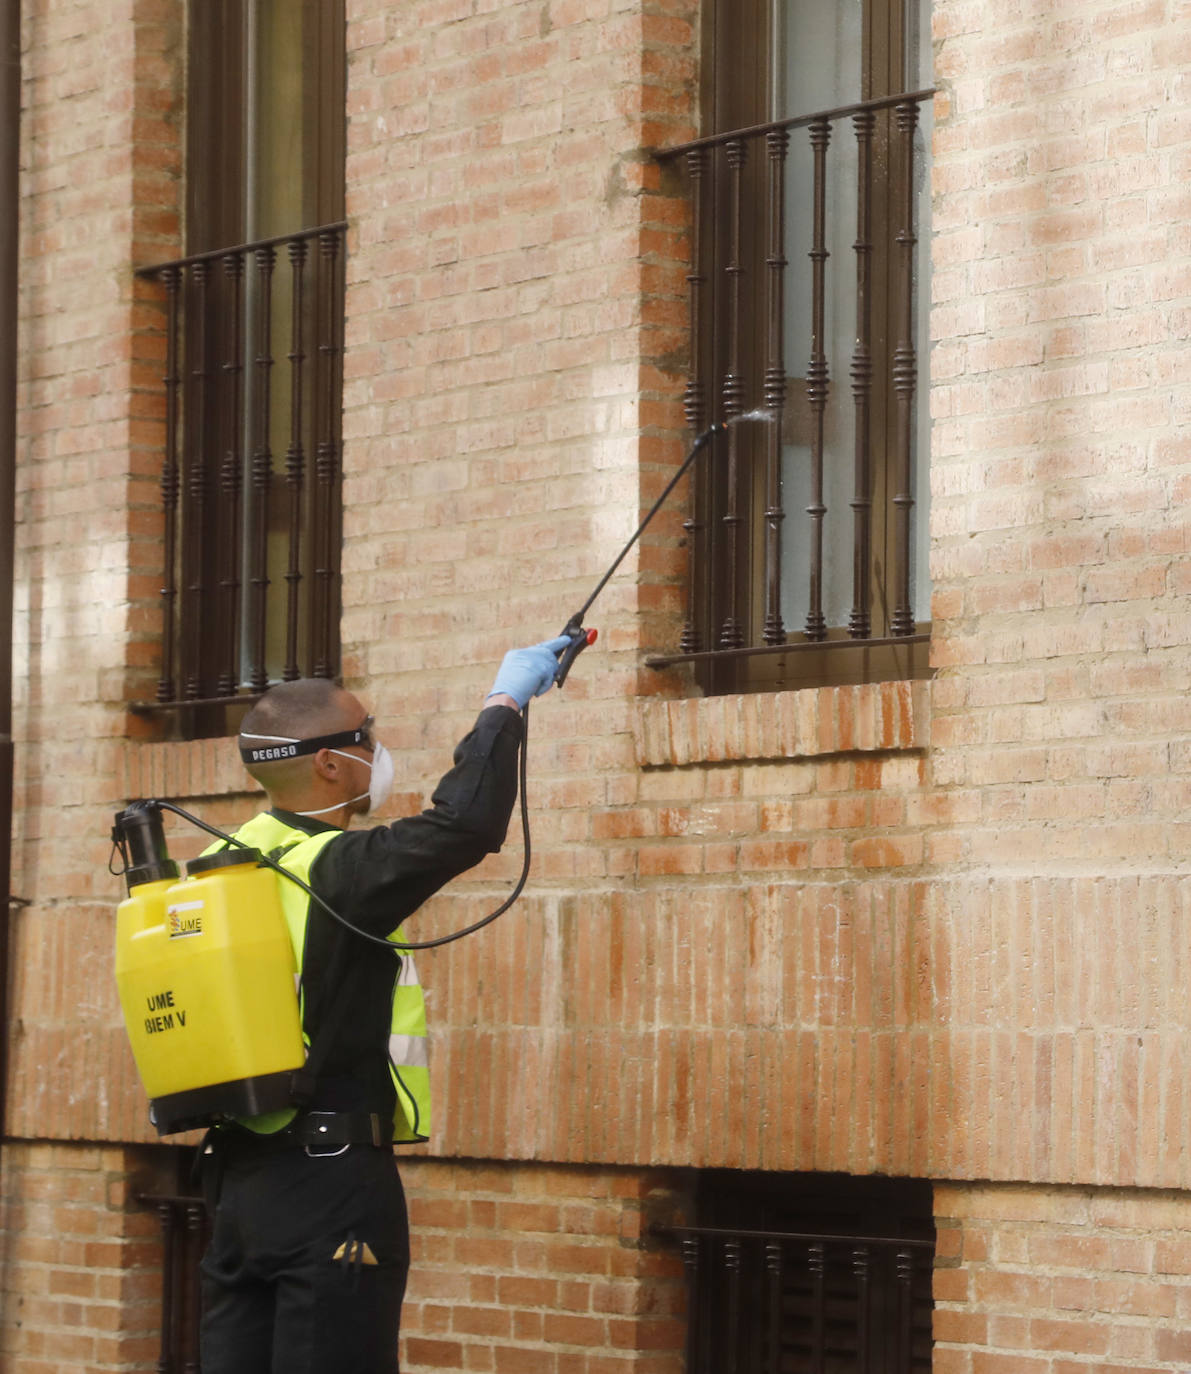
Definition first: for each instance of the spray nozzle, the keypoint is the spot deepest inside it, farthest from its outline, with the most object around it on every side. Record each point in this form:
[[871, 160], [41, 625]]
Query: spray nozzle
[[580, 639]]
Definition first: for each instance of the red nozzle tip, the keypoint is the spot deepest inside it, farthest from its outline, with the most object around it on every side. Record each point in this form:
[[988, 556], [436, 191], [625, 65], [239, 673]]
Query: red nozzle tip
[[592, 636]]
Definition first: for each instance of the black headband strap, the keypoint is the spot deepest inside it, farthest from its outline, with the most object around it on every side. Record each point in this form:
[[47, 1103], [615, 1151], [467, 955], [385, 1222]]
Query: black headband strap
[[295, 749]]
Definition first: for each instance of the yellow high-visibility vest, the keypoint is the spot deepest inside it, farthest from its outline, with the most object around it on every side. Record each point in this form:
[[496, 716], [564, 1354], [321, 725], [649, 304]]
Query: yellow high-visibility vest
[[409, 1065]]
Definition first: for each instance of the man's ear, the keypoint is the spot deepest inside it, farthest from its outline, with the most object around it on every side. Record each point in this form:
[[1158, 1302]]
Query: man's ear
[[327, 765]]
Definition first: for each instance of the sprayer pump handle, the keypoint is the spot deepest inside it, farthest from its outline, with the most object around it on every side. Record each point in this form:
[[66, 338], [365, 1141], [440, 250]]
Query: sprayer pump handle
[[580, 639]]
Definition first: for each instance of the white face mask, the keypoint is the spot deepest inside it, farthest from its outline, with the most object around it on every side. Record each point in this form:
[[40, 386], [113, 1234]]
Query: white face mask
[[380, 782]]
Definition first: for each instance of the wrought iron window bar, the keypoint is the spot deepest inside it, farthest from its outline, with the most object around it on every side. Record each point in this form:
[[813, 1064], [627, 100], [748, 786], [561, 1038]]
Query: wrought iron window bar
[[718, 534], [768, 1302], [217, 303], [185, 1229]]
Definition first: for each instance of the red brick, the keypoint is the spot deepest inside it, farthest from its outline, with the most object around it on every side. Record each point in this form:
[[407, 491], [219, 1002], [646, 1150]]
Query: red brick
[[437, 1354], [960, 1328], [1173, 1345]]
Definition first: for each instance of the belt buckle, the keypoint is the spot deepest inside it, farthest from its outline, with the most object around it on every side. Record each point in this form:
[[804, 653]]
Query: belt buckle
[[313, 1152], [319, 1147], [312, 1128], [374, 1123]]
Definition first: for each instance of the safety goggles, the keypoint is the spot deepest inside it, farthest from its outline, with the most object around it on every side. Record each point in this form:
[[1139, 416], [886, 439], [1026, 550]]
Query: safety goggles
[[280, 747]]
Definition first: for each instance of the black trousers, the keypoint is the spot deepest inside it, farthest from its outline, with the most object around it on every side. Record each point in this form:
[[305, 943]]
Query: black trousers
[[306, 1269]]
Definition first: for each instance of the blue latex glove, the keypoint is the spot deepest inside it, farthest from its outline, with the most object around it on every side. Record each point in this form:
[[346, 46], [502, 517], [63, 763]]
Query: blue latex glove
[[526, 673]]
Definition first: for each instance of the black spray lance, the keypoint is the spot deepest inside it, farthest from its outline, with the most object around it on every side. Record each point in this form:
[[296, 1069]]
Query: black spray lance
[[573, 629], [139, 836]]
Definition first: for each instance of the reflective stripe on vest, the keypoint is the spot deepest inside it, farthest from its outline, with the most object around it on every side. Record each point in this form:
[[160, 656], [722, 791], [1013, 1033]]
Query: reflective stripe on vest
[[407, 1047], [408, 1052]]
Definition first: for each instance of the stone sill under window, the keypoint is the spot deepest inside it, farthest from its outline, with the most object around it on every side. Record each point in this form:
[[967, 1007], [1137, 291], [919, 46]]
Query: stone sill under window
[[870, 718]]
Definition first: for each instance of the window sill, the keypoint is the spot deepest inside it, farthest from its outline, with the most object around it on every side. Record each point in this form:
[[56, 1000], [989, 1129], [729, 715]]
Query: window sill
[[869, 718]]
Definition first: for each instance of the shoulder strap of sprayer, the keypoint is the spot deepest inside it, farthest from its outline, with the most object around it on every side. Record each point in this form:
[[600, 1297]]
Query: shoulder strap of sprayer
[[305, 1080]]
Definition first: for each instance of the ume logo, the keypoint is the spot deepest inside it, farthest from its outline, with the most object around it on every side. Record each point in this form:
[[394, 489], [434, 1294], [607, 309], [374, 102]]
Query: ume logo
[[184, 919]]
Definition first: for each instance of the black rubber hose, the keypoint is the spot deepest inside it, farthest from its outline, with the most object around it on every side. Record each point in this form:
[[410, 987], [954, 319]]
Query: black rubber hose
[[342, 920]]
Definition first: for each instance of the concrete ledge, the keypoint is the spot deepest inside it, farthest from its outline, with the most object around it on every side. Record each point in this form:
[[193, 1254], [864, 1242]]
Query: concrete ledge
[[783, 725]]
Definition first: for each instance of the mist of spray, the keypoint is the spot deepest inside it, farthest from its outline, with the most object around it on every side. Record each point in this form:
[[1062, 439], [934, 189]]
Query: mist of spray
[[765, 416]]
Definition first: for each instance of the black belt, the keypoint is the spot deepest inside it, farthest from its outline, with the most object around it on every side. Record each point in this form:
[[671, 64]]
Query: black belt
[[334, 1129], [312, 1128], [338, 1128]]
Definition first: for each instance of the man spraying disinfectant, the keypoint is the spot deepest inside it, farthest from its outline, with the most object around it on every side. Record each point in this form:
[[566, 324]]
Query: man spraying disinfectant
[[307, 1264]]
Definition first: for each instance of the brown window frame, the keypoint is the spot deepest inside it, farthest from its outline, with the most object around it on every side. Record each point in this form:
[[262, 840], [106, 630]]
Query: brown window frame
[[254, 322], [732, 637]]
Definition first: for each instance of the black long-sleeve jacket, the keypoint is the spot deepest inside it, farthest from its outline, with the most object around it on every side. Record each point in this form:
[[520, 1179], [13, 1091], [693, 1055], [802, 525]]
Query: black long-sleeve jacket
[[379, 876]]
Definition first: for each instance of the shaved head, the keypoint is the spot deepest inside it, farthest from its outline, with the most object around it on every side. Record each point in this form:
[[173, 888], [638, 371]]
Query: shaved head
[[301, 710], [305, 709]]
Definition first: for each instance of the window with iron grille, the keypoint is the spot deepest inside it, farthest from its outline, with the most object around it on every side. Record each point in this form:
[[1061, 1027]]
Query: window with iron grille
[[253, 318], [185, 1233], [808, 1274], [808, 533]]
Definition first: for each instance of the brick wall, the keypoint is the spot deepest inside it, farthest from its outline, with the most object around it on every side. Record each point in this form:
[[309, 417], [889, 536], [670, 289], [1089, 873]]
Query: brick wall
[[79, 1258], [1061, 1281], [1059, 463], [540, 1270], [80, 1283], [99, 197]]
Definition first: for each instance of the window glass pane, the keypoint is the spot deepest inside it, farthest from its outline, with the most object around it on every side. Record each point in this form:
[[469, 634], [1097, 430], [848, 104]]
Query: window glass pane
[[294, 103], [279, 113], [820, 54], [276, 197], [834, 55], [836, 341]]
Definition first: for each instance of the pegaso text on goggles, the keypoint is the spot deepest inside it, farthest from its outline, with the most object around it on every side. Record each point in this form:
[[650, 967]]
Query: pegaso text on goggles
[[282, 748]]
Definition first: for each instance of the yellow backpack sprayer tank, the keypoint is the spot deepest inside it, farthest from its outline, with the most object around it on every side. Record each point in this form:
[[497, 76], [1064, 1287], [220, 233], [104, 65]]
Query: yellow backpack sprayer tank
[[207, 982]]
